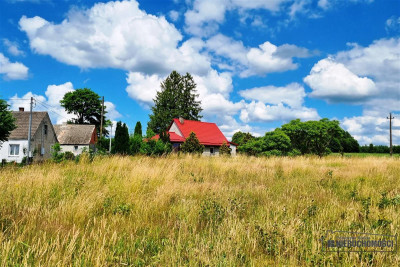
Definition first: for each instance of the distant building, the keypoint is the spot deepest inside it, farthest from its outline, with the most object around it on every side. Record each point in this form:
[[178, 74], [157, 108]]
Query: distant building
[[208, 134], [43, 137], [76, 137]]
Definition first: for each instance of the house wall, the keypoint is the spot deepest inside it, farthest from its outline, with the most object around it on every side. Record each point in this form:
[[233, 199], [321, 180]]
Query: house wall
[[174, 128], [42, 143], [233, 150], [5, 150], [206, 151], [71, 148]]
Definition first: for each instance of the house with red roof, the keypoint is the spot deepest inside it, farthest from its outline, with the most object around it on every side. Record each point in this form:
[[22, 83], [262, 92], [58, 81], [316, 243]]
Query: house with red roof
[[208, 134]]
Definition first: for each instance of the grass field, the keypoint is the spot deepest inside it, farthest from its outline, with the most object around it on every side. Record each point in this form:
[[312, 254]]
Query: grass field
[[196, 211]]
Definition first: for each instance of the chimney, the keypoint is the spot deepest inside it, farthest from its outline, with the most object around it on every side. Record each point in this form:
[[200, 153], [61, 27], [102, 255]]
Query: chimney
[[181, 120], [21, 109]]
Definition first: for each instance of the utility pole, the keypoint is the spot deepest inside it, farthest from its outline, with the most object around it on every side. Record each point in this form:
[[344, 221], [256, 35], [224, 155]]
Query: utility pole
[[101, 121], [29, 132], [390, 118], [109, 148]]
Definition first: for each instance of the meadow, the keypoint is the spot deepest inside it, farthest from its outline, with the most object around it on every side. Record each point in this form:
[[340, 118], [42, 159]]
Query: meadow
[[196, 211]]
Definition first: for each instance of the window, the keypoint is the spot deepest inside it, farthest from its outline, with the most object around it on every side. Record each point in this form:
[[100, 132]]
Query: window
[[76, 148], [45, 129], [14, 150], [211, 150]]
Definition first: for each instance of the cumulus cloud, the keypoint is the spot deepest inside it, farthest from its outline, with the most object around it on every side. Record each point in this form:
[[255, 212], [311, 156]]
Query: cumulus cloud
[[12, 48], [334, 82], [292, 94], [51, 103], [266, 58], [206, 15], [117, 35], [360, 67], [260, 112], [142, 87], [12, 70]]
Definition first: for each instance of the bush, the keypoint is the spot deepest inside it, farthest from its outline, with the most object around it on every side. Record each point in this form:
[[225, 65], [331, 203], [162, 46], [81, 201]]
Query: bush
[[192, 145], [225, 149]]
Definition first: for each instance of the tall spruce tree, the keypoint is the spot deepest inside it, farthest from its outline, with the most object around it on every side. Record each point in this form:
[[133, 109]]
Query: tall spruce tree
[[138, 129], [121, 139], [177, 98], [7, 121]]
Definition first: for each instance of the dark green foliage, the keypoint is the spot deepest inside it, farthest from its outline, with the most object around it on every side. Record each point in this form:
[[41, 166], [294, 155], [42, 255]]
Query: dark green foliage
[[138, 129], [121, 140], [86, 105], [103, 144], [135, 143], [274, 143], [313, 137], [345, 143], [192, 145], [379, 149], [149, 133], [225, 149], [241, 138], [155, 148], [177, 98], [59, 156], [164, 136], [7, 121]]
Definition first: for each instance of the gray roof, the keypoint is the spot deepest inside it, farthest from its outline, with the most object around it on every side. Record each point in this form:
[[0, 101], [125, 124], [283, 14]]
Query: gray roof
[[22, 123], [74, 134]]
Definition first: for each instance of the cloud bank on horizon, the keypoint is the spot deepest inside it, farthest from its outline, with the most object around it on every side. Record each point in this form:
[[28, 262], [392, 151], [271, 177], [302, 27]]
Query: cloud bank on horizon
[[247, 78]]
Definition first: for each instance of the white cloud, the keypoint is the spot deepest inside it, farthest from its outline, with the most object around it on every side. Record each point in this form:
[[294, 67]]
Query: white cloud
[[292, 94], [12, 71], [206, 15], [51, 103], [334, 82], [260, 112], [173, 15], [116, 35], [266, 58], [12, 48], [393, 25], [372, 128], [142, 87]]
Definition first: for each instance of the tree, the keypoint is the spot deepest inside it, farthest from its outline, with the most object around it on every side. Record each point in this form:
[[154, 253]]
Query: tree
[[7, 121], [86, 105], [241, 138], [272, 143], [138, 129], [224, 149], [313, 137], [192, 145], [177, 98], [121, 139], [135, 143]]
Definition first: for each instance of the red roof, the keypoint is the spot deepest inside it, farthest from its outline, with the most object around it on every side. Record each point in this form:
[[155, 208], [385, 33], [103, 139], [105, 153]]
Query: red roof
[[207, 133], [173, 137]]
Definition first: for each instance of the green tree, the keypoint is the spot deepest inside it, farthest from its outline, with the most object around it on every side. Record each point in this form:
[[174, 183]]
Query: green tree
[[121, 139], [135, 143], [7, 121], [272, 143], [241, 138], [86, 106], [138, 129], [192, 145], [313, 137], [225, 149], [177, 98]]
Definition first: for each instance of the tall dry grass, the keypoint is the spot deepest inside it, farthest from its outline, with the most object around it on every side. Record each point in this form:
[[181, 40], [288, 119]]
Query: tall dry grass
[[184, 210]]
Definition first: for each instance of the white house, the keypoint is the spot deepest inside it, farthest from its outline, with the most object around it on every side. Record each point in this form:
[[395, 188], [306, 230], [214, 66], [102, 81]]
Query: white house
[[208, 134], [76, 137], [43, 137]]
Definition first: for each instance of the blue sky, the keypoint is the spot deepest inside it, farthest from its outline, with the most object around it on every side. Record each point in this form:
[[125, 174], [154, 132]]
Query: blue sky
[[257, 64]]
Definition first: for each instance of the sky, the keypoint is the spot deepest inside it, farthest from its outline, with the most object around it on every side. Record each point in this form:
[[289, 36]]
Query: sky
[[257, 64]]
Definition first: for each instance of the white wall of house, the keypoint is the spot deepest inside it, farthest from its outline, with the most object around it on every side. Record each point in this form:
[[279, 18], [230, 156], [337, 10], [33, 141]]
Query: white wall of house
[[5, 150], [233, 149], [174, 128], [211, 151], [76, 149]]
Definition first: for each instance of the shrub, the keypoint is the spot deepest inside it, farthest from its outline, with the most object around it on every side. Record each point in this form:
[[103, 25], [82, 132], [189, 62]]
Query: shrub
[[192, 145], [225, 149]]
